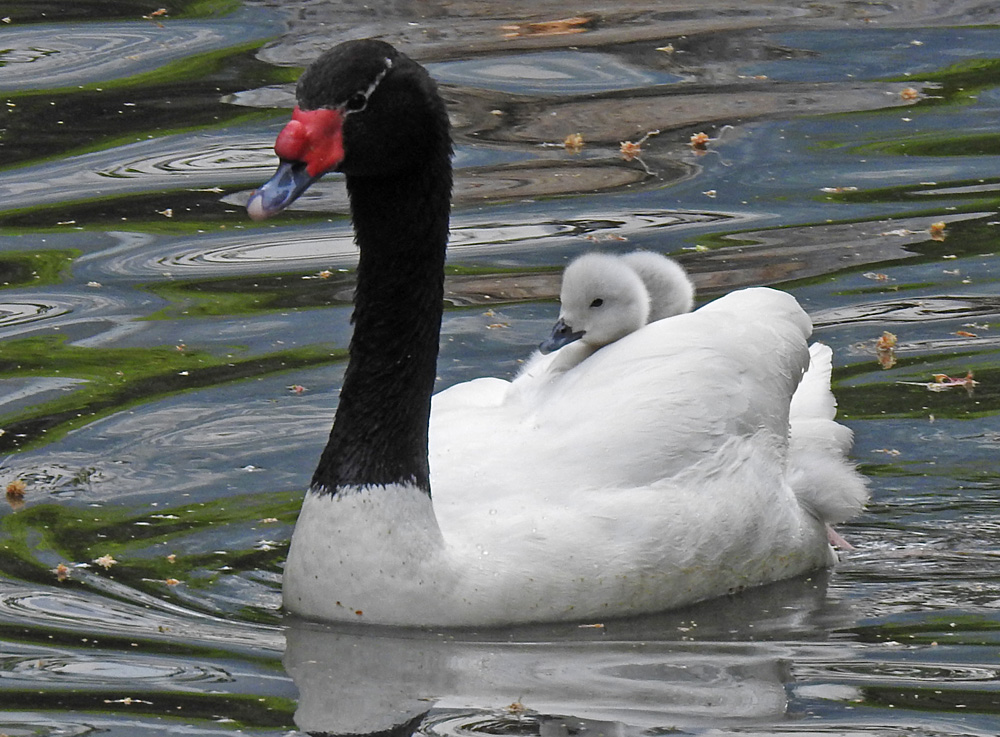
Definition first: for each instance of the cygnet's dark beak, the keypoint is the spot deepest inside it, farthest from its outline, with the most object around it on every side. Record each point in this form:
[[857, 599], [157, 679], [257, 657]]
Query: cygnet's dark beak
[[561, 335]]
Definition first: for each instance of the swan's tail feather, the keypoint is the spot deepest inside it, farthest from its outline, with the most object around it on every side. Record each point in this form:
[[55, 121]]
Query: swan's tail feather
[[813, 398], [820, 434], [827, 485], [819, 471]]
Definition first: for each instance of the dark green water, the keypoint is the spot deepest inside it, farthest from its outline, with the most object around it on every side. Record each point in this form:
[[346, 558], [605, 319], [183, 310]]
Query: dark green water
[[150, 337]]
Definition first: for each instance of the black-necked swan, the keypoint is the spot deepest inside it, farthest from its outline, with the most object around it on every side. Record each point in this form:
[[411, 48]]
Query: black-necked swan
[[653, 478]]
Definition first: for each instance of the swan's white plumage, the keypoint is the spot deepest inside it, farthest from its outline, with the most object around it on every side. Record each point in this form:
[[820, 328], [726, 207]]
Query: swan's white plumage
[[652, 475], [823, 478]]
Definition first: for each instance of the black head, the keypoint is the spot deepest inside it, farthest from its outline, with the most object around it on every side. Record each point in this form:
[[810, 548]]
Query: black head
[[364, 109]]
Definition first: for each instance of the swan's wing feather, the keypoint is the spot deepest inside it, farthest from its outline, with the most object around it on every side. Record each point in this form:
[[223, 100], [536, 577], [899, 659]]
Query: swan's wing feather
[[468, 395], [668, 397], [676, 390]]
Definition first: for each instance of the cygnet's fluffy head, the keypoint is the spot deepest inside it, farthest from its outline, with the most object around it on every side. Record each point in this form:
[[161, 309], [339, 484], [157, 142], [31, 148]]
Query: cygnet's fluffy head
[[670, 289], [603, 299]]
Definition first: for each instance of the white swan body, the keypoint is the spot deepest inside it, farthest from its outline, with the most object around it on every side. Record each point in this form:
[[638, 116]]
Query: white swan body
[[678, 494], [652, 475]]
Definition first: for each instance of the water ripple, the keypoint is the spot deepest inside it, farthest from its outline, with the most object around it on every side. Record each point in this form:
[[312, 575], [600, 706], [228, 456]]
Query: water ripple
[[917, 673], [77, 613], [109, 308], [18, 313], [63, 55], [240, 253], [112, 670], [82, 613], [210, 158], [41, 727], [196, 428], [333, 245], [552, 72], [514, 723], [910, 310], [204, 159]]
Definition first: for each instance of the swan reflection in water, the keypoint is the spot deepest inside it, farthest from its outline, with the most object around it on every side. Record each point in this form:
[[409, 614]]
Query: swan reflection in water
[[699, 666]]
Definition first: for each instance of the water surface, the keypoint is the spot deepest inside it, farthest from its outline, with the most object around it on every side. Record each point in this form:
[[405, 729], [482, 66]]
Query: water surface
[[170, 369]]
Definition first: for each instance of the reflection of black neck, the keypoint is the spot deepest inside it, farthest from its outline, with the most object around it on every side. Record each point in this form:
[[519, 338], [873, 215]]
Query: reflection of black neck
[[379, 436], [406, 729]]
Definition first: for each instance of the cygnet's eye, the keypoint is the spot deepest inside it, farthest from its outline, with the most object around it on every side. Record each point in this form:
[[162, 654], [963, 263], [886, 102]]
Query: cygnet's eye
[[356, 102], [597, 302]]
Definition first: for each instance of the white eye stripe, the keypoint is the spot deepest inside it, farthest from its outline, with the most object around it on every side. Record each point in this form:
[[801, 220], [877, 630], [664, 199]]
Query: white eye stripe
[[371, 88], [378, 79]]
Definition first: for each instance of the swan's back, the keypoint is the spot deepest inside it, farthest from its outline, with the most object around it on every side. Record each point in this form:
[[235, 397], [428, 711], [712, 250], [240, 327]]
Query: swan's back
[[695, 380], [659, 401]]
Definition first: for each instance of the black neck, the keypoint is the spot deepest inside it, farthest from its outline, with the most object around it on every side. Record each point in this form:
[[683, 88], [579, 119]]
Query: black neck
[[379, 435]]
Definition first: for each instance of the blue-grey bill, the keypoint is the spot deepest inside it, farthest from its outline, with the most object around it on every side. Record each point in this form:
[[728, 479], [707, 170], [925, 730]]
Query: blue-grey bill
[[562, 334], [289, 181]]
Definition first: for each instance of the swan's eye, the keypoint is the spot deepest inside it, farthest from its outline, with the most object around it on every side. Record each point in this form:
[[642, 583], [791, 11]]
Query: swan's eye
[[356, 102], [597, 302]]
